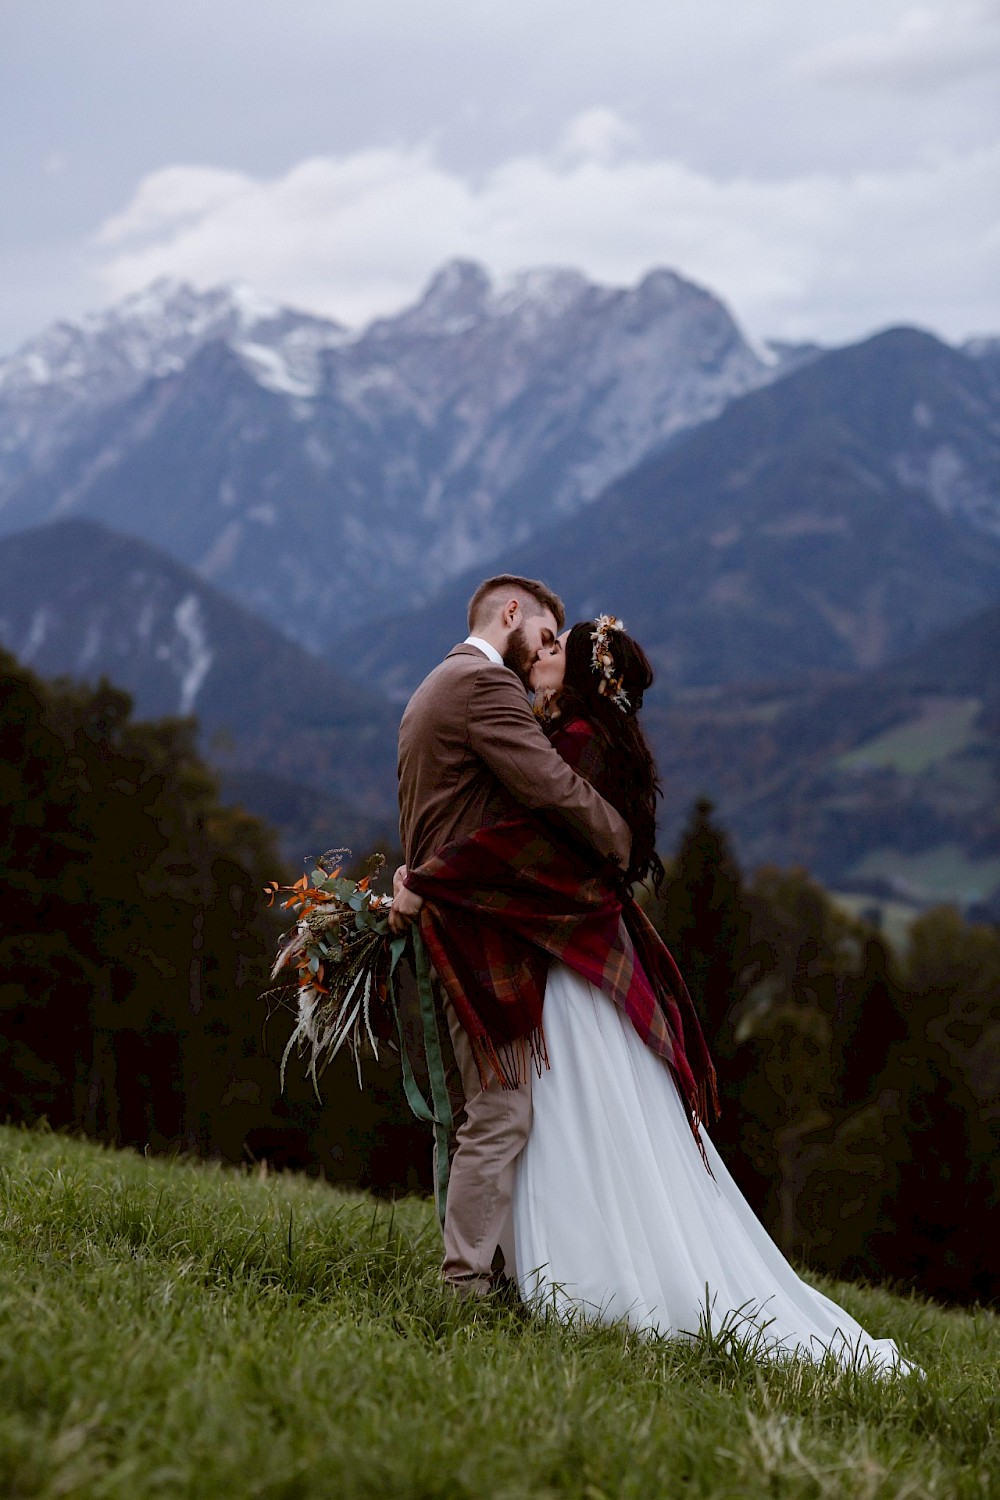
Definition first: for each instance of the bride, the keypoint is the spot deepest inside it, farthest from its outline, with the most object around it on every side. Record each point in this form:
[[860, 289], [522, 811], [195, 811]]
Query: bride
[[623, 1209]]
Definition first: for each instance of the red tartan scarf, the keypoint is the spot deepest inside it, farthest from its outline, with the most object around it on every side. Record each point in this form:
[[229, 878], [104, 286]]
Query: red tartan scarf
[[501, 904]]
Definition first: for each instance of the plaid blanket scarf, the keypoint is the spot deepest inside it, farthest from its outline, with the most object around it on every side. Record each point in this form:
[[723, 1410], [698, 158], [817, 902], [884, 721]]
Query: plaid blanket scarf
[[500, 905]]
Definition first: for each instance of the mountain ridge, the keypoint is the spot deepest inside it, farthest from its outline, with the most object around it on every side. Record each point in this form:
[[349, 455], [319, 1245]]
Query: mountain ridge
[[822, 523], [424, 442], [278, 725]]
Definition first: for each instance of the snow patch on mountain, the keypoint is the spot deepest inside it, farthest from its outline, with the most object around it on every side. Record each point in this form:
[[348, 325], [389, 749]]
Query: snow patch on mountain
[[223, 551], [538, 294], [35, 639], [942, 474], [272, 371], [292, 364], [189, 653]]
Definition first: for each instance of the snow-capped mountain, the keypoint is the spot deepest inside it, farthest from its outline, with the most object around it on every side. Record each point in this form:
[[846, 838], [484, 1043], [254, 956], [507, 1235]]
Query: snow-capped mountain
[[51, 386], [312, 472]]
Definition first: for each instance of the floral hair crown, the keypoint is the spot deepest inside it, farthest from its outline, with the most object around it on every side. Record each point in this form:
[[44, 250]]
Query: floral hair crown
[[603, 661]]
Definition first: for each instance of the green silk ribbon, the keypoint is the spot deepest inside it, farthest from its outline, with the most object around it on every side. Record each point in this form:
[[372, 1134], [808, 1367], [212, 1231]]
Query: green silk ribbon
[[438, 1112]]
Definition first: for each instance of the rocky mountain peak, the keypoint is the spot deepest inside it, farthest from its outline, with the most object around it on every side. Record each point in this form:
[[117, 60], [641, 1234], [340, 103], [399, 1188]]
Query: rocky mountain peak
[[540, 293], [456, 297], [104, 355], [149, 332], [665, 287], [431, 439]]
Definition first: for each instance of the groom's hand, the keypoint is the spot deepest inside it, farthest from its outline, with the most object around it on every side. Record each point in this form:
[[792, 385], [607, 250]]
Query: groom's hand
[[406, 904]]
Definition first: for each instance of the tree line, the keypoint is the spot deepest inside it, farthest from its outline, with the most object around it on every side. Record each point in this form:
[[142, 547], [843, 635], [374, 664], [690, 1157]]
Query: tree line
[[135, 942], [859, 1086]]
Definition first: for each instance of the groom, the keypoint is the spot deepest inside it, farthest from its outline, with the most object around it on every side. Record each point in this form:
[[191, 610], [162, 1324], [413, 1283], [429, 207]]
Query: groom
[[472, 753]]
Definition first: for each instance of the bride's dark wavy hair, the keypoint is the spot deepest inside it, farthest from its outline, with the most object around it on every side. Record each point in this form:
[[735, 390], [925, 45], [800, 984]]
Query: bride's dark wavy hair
[[633, 784]]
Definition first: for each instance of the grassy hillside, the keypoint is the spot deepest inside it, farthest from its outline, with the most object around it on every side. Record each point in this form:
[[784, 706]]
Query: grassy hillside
[[183, 1330]]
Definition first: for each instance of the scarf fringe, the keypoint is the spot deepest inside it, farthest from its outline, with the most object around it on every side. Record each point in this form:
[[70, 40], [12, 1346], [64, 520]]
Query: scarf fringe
[[696, 1123], [510, 1063], [708, 1089]]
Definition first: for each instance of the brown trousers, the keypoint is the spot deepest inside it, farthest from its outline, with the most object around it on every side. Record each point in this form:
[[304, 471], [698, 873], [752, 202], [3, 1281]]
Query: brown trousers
[[493, 1126], [493, 1133]]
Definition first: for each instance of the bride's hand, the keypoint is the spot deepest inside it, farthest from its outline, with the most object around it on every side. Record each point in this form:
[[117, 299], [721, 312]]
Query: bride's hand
[[546, 704]]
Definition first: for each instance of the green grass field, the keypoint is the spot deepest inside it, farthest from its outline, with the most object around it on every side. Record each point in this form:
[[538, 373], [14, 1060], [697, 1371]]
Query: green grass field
[[943, 728], [175, 1330], [944, 873]]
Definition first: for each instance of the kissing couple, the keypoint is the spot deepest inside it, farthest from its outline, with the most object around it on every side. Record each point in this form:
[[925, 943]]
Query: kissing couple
[[582, 1170]]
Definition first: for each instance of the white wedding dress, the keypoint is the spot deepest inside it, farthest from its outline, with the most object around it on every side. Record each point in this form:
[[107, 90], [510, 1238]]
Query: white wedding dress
[[615, 1216]]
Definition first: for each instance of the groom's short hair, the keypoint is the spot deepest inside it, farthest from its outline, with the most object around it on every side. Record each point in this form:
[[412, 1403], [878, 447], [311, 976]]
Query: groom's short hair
[[532, 596]]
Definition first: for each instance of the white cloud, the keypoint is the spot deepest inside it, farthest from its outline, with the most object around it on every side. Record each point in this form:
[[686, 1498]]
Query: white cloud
[[599, 133], [166, 201], [927, 48], [818, 255]]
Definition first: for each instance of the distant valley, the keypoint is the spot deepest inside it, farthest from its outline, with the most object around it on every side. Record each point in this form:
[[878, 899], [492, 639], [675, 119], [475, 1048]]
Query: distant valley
[[885, 784]]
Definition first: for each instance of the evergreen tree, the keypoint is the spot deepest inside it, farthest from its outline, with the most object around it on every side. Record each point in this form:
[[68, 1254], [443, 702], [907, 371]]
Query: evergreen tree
[[703, 917], [134, 944], [872, 1019], [934, 1208], [704, 920], [111, 848]]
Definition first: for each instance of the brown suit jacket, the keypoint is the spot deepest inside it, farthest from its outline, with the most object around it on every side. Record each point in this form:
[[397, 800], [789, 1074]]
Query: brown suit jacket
[[471, 753]]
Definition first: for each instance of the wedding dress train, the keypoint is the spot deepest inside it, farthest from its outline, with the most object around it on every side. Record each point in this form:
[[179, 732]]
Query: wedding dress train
[[615, 1216]]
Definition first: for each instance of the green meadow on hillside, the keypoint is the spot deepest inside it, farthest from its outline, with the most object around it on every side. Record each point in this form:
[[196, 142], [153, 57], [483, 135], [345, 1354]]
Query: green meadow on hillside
[[169, 1329], [943, 728], [935, 874]]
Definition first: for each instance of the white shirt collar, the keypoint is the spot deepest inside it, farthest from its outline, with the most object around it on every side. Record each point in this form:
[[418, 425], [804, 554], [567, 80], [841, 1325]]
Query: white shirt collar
[[485, 648]]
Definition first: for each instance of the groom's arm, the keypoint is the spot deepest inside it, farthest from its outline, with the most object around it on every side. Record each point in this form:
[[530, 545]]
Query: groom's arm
[[505, 734]]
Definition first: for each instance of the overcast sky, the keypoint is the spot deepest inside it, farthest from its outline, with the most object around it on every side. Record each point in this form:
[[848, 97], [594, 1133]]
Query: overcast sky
[[826, 169]]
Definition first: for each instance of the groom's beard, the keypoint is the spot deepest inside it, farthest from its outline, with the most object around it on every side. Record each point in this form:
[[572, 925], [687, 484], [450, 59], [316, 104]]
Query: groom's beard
[[518, 657]]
